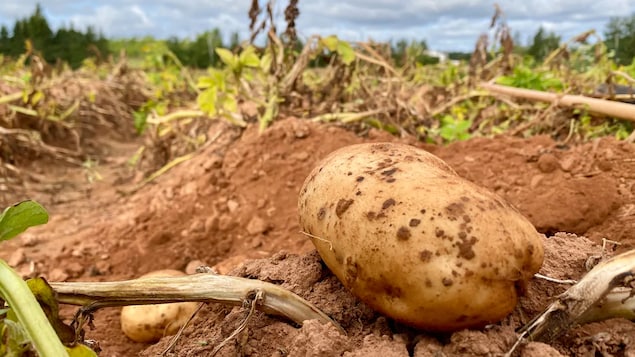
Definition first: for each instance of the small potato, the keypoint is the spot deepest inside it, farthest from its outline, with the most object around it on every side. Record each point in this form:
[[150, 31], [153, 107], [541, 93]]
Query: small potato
[[148, 323], [415, 241]]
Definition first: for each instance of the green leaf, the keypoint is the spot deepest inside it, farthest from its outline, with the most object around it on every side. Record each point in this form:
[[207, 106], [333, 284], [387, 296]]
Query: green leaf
[[37, 97], [17, 218], [229, 103], [265, 62], [216, 78], [271, 111], [46, 297], [330, 42], [207, 81], [206, 100], [16, 340], [140, 121], [80, 350], [249, 58], [453, 129], [505, 80], [345, 51], [227, 57]]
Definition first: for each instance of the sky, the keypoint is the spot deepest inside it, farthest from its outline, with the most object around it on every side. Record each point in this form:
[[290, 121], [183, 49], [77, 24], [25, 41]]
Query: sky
[[446, 25]]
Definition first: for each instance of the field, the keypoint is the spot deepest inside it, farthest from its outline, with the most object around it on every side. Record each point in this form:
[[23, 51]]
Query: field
[[142, 169]]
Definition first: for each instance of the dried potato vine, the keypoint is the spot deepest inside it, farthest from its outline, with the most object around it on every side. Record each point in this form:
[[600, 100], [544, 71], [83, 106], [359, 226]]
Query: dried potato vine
[[607, 291]]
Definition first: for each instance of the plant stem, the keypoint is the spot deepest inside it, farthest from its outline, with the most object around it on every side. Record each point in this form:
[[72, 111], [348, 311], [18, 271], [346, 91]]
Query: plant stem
[[180, 114], [606, 107], [229, 290], [21, 300]]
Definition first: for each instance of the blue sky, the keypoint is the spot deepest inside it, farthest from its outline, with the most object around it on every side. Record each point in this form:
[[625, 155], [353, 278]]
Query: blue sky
[[445, 25]]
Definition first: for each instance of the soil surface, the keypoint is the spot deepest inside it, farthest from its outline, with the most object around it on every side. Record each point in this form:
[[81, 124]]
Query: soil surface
[[233, 206]]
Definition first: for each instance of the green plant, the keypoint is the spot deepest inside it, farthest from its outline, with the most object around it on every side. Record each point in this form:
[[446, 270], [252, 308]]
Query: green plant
[[167, 77], [24, 320], [591, 129], [24, 325], [342, 48], [221, 88], [531, 78], [454, 128]]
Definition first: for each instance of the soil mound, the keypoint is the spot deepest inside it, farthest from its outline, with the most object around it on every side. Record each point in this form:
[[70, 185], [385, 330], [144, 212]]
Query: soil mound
[[236, 201], [368, 333]]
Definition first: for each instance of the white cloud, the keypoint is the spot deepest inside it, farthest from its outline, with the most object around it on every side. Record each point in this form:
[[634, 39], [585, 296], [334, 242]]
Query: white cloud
[[445, 25], [145, 21]]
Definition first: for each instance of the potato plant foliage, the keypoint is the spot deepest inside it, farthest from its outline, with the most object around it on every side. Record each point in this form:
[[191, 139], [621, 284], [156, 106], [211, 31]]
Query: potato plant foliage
[[361, 85], [29, 320]]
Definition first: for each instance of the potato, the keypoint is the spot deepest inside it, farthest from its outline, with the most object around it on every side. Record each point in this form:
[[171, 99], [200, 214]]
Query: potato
[[415, 241], [148, 323]]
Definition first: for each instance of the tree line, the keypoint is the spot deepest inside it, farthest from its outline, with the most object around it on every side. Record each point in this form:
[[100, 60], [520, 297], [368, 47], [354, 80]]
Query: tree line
[[65, 44], [73, 46]]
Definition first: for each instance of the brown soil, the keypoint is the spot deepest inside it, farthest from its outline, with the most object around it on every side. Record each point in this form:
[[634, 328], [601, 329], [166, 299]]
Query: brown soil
[[236, 201]]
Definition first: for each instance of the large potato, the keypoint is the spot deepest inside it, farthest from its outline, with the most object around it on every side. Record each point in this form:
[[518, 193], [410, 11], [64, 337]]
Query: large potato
[[148, 323], [415, 241]]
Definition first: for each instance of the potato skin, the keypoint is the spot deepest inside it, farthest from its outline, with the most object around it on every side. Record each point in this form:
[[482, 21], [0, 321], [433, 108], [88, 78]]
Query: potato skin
[[148, 323], [415, 241]]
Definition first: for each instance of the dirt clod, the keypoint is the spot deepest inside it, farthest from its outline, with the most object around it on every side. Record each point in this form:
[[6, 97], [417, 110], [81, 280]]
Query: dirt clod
[[257, 225], [537, 349], [548, 163]]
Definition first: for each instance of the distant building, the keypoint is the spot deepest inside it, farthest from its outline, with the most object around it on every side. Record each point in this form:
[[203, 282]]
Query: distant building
[[442, 56]]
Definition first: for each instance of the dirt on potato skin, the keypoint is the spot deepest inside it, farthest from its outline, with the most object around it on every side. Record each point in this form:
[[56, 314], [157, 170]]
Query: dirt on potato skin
[[236, 200]]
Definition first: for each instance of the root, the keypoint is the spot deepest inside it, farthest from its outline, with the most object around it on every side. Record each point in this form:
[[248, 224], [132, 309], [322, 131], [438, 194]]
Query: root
[[596, 259], [554, 280], [178, 335], [318, 238], [257, 300]]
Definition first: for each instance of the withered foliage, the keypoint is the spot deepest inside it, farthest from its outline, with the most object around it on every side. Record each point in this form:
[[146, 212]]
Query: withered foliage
[[254, 12], [485, 62], [64, 114], [291, 13]]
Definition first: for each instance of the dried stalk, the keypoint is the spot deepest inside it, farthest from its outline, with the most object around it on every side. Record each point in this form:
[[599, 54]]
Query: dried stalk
[[606, 291], [617, 303], [199, 287], [600, 106], [445, 106], [301, 63]]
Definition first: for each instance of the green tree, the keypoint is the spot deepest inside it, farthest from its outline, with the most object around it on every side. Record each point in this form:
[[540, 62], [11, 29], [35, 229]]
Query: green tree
[[38, 30], [200, 52], [234, 40], [16, 44], [459, 56], [4, 39], [404, 52], [543, 43], [35, 28], [417, 51], [68, 45], [620, 38], [399, 52], [203, 49]]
